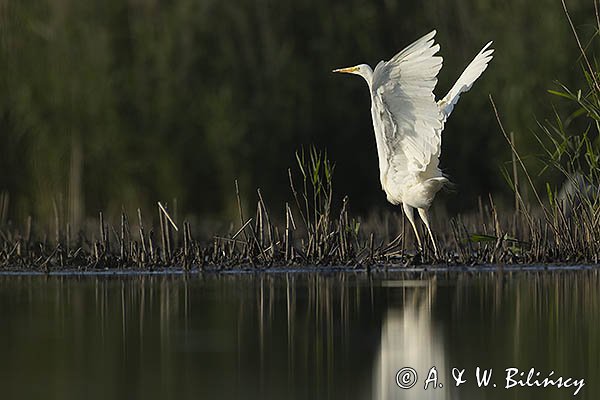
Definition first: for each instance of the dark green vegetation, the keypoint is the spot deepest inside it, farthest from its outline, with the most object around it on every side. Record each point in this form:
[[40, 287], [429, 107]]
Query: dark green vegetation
[[114, 106], [106, 104]]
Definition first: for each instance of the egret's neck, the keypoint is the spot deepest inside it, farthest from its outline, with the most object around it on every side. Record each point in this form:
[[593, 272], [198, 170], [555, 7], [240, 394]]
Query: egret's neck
[[367, 73]]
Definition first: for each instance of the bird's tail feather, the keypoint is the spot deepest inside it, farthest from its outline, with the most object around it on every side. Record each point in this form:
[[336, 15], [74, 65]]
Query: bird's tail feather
[[466, 79]]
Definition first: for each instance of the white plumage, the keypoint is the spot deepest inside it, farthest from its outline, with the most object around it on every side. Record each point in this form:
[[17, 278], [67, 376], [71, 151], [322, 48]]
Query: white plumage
[[408, 122]]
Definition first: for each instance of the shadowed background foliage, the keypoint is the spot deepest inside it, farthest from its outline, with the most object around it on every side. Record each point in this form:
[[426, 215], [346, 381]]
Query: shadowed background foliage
[[112, 104]]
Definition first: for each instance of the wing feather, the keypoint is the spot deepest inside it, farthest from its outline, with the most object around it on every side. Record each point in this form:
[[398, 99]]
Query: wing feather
[[410, 121], [466, 80]]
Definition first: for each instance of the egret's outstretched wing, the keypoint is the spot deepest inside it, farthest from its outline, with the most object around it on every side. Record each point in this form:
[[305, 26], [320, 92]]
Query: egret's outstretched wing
[[466, 79], [406, 117]]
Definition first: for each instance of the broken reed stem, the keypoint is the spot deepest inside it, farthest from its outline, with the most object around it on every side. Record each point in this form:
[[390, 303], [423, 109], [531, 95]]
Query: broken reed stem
[[101, 227], [185, 240], [122, 244], [4, 201], [186, 244], [142, 235], [241, 230], [167, 216], [151, 246], [267, 222], [240, 209], [162, 233], [287, 244], [515, 174], [168, 238]]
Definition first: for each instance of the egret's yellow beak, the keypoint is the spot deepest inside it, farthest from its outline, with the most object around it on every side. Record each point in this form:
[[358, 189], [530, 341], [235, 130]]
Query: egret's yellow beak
[[348, 70]]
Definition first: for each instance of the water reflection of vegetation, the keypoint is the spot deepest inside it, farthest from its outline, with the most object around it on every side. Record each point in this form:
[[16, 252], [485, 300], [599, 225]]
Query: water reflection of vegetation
[[292, 335]]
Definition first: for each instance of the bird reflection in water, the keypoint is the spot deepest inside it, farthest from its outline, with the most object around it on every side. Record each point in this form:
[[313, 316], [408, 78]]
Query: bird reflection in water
[[409, 338]]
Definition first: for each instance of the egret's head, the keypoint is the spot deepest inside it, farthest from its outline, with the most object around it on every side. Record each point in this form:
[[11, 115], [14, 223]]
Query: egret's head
[[362, 70], [356, 70]]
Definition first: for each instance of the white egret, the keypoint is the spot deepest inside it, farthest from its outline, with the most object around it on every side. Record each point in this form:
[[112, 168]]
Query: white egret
[[408, 122]]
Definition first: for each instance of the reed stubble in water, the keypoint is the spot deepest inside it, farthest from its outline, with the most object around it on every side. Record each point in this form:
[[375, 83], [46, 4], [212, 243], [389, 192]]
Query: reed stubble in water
[[311, 233]]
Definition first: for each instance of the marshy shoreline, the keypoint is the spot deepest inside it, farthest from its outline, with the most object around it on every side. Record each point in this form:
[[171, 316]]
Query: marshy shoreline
[[313, 236], [376, 271]]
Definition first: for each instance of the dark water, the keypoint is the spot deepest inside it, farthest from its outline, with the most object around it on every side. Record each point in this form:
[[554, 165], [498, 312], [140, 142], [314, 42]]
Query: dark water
[[296, 336]]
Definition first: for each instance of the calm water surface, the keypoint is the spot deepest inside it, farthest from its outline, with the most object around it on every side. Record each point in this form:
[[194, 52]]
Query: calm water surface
[[296, 336]]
